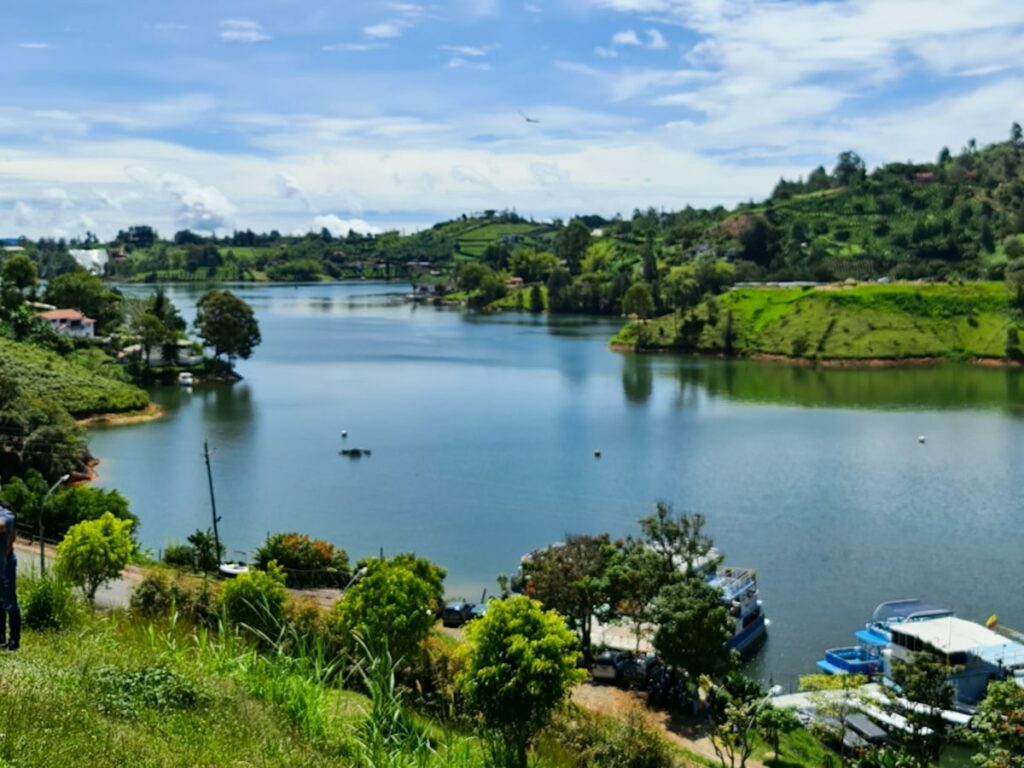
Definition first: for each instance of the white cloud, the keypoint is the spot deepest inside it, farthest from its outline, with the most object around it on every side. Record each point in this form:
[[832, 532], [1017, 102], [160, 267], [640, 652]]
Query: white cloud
[[340, 227], [465, 50], [56, 199], [383, 31], [626, 37], [457, 62], [355, 47], [655, 40], [24, 215], [242, 31], [34, 46]]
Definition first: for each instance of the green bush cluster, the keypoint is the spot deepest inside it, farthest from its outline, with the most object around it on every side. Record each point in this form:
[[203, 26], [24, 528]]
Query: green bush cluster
[[160, 593], [48, 602], [129, 692], [254, 601], [306, 562], [584, 739]]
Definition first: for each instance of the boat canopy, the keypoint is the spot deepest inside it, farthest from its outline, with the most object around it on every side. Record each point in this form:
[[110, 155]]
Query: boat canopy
[[869, 637], [950, 635], [908, 610]]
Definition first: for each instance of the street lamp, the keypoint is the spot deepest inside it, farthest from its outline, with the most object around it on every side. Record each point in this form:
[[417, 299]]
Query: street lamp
[[42, 547]]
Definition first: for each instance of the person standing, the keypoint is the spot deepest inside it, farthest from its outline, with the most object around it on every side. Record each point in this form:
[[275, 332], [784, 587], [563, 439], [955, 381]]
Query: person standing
[[11, 612]]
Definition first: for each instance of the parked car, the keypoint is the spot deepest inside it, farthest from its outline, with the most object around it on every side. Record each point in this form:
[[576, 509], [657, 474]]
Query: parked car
[[634, 671], [604, 667], [456, 613], [478, 611]]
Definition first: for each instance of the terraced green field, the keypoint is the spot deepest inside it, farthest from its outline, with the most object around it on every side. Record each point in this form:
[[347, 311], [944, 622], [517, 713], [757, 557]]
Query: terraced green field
[[866, 322], [46, 376]]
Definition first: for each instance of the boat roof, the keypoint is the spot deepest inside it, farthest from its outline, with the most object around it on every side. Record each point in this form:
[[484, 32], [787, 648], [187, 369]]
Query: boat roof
[[911, 608], [949, 634]]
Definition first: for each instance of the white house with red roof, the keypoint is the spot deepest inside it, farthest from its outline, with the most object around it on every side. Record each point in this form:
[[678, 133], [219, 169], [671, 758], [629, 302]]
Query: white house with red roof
[[70, 322]]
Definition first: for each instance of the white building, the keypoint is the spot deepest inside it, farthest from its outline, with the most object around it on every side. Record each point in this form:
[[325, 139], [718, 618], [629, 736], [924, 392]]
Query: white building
[[70, 322]]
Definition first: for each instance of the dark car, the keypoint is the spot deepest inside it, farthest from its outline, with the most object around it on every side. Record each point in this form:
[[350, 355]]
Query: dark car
[[605, 668], [456, 613], [634, 671]]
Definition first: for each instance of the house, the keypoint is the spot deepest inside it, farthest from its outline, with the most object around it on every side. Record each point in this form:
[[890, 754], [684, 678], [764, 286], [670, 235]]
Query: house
[[514, 282], [183, 354], [93, 260], [70, 322], [978, 654]]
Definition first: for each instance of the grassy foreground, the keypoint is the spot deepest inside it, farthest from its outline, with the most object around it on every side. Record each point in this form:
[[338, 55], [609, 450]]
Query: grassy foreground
[[47, 377], [863, 322]]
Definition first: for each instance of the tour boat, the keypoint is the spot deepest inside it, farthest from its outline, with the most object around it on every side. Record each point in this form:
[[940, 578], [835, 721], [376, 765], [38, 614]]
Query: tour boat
[[186, 379]]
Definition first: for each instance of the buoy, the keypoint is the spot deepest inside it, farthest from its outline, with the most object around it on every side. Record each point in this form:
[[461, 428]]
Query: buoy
[[920, 438], [344, 433], [597, 454]]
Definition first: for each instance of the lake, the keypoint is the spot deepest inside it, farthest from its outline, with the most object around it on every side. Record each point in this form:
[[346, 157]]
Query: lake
[[483, 430]]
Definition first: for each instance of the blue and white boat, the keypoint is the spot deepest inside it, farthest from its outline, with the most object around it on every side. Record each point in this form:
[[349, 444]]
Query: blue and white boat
[[743, 601]]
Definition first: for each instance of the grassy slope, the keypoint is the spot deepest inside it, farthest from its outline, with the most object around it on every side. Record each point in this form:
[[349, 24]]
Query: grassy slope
[[44, 375], [862, 322]]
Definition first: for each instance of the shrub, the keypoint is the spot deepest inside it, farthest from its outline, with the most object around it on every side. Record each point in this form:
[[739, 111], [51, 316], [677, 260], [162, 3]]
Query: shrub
[[126, 692], [434, 675], [48, 602], [95, 552], [588, 739], [196, 600], [180, 555], [255, 601], [306, 562]]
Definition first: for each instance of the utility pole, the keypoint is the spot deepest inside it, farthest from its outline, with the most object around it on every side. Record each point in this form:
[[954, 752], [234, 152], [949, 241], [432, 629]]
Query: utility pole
[[213, 501]]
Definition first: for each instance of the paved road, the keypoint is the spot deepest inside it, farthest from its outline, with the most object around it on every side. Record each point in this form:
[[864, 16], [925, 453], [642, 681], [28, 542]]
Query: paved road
[[116, 594]]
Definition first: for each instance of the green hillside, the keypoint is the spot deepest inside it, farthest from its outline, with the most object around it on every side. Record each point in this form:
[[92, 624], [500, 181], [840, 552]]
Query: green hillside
[[864, 322], [47, 377]]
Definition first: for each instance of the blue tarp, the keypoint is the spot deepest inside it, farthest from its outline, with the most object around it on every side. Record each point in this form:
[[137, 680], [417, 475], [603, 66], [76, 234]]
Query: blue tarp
[[871, 638]]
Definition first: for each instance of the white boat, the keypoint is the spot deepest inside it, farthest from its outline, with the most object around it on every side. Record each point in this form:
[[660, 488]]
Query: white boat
[[231, 570], [186, 379]]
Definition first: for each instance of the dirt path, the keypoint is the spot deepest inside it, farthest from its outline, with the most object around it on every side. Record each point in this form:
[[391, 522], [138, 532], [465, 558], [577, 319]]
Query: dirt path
[[609, 700]]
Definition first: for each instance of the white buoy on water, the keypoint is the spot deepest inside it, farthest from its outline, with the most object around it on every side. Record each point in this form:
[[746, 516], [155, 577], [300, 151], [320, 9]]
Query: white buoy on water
[[344, 433], [920, 438], [597, 454]]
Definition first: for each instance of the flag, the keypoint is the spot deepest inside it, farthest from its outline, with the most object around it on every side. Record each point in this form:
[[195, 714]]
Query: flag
[[992, 621]]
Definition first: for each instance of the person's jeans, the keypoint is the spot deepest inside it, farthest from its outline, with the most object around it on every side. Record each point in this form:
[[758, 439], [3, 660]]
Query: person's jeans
[[9, 598]]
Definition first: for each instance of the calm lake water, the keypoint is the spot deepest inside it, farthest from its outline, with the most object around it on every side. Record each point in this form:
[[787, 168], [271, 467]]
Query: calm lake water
[[483, 430]]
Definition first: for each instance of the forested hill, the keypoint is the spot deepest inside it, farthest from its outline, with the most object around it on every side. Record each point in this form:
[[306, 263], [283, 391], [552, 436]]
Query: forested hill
[[961, 216]]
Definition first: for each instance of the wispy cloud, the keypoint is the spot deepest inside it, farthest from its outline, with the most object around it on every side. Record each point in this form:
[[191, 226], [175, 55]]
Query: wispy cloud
[[355, 47], [383, 31], [35, 46], [242, 31]]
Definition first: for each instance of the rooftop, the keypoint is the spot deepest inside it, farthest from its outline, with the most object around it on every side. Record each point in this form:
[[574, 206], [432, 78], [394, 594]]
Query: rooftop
[[65, 314], [952, 635]]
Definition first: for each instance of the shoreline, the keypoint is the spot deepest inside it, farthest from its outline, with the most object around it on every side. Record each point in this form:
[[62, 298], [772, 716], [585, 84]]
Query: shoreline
[[831, 362], [151, 412]]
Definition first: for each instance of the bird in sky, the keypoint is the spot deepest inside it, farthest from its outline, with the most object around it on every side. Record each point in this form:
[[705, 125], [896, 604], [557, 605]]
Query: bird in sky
[[528, 119]]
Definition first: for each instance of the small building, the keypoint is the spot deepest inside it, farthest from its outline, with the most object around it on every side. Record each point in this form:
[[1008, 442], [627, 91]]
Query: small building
[[514, 282], [181, 354], [979, 654], [92, 260], [70, 322]]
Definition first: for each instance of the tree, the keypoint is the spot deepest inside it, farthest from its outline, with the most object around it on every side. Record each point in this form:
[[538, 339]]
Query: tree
[[19, 273], [679, 539], [391, 605], [536, 299], [924, 681], [998, 727], [95, 552], [255, 601], [227, 324], [208, 556], [472, 274], [151, 332], [693, 627], [650, 270], [532, 265], [849, 169], [571, 245], [572, 578], [638, 301], [86, 292], [636, 576], [522, 664], [1016, 135], [773, 722]]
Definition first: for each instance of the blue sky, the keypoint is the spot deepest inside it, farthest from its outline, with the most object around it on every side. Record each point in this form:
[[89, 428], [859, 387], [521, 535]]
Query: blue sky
[[294, 114]]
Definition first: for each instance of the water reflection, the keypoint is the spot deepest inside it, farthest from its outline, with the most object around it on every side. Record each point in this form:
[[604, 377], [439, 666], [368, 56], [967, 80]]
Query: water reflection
[[946, 387], [637, 378]]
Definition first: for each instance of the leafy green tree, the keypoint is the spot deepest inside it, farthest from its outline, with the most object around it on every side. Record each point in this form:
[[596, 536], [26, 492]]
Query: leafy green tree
[[997, 730], [86, 292], [255, 601], [208, 556], [227, 324], [925, 681], [307, 562], [773, 723], [849, 169], [572, 578], [735, 706], [472, 274], [390, 605], [19, 274], [151, 332], [679, 539], [693, 627], [522, 665], [636, 575], [650, 270], [532, 265], [536, 299], [95, 552], [571, 244], [559, 284], [638, 301]]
